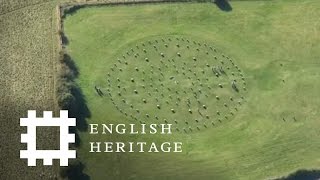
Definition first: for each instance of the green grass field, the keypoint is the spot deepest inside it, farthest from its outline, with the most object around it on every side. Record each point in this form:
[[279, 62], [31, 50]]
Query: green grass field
[[276, 46]]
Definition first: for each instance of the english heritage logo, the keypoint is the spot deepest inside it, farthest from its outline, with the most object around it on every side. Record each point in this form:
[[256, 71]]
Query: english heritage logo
[[32, 122]]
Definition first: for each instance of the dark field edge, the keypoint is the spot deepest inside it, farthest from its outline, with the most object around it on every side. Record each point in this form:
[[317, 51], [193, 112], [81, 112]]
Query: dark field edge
[[302, 174], [70, 8], [69, 97], [67, 77]]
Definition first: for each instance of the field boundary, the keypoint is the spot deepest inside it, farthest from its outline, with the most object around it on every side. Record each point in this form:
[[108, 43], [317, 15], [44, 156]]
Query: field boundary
[[69, 8], [56, 22]]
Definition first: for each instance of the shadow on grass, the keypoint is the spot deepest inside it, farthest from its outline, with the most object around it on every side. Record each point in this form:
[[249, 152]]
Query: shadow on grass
[[64, 38], [70, 9], [223, 5], [302, 175], [68, 61], [71, 97], [74, 171], [79, 109]]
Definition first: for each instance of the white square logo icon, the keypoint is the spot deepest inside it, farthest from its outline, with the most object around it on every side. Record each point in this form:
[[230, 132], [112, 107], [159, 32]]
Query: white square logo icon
[[32, 122]]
